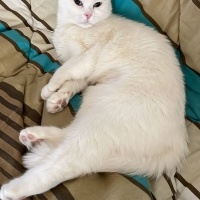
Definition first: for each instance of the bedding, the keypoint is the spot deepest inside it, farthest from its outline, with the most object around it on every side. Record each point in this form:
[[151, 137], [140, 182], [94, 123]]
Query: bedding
[[27, 62]]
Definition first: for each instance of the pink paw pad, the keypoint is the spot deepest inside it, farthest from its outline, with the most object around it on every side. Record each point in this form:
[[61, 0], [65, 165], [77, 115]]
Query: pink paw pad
[[24, 139], [31, 137], [64, 104], [59, 101], [38, 141]]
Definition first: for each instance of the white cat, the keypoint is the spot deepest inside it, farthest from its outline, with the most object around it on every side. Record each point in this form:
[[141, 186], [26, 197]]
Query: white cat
[[132, 116]]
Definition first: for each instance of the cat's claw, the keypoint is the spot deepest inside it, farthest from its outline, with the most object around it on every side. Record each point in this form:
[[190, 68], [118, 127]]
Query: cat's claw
[[57, 101], [29, 138]]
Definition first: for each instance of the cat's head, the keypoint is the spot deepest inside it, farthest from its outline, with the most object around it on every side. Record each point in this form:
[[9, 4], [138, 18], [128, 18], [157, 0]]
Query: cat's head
[[84, 13]]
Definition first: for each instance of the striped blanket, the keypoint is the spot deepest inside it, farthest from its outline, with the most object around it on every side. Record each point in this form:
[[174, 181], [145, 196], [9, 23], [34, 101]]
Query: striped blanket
[[27, 61]]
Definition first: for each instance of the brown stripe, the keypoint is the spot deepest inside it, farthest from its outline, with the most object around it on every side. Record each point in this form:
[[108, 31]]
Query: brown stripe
[[15, 13], [15, 45], [195, 123], [17, 48], [188, 185], [11, 161], [31, 45], [43, 36], [161, 31], [11, 106], [152, 196], [21, 149], [42, 21], [196, 2], [9, 168], [42, 197], [5, 24], [148, 16], [184, 62], [12, 92], [27, 4], [10, 114], [154, 23], [40, 67], [144, 189], [26, 125], [15, 94], [49, 195], [23, 20], [72, 111], [6, 96], [62, 193], [168, 180], [28, 122], [36, 17], [5, 173], [36, 64], [52, 59], [32, 114], [10, 122]]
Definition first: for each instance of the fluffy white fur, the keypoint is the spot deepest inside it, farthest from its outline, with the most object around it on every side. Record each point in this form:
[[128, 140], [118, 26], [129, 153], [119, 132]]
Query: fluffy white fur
[[132, 116]]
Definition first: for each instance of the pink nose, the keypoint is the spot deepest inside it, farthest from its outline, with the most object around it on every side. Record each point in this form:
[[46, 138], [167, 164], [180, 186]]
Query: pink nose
[[88, 15]]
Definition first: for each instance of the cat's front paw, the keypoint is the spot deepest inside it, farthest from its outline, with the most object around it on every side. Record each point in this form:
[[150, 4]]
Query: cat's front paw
[[10, 192], [30, 137], [57, 101], [47, 91]]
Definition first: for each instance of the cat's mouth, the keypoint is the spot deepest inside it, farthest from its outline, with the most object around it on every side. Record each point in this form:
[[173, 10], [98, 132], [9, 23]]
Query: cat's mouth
[[86, 24]]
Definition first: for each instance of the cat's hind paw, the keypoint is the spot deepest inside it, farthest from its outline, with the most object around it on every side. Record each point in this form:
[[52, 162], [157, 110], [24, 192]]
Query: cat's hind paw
[[30, 137], [9, 193], [57, 101]]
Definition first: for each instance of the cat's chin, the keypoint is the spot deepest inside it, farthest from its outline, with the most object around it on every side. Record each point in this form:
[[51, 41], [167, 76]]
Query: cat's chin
[[85, 25]]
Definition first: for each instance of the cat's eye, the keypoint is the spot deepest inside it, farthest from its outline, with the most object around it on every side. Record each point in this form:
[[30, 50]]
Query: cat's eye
[[78, 2], [97, 4]]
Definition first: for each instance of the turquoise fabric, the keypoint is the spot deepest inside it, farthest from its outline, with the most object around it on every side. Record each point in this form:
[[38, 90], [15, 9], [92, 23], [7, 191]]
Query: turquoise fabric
[[27, 49], [142, 180], [129, 9], [2, 27], [192, 84], [22, 43]]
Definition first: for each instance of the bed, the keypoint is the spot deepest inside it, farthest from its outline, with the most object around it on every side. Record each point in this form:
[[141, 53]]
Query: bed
[[27, 62]]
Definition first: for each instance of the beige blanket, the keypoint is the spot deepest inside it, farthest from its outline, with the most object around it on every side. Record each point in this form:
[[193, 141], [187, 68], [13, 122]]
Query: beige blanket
[[27, 61]]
